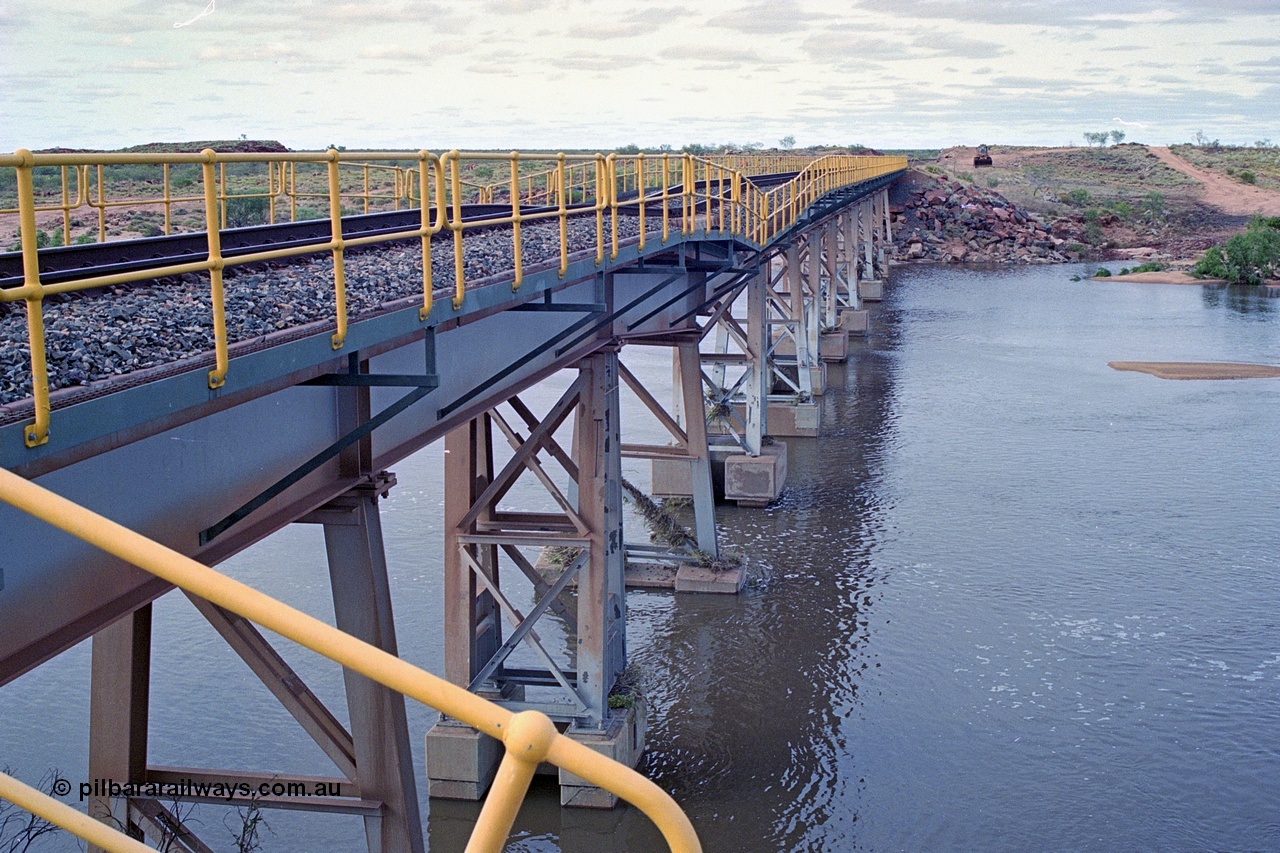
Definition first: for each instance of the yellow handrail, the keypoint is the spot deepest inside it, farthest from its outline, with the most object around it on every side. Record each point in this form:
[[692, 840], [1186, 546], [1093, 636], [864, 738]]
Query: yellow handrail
[[76, 822], [714, 197], [529, 736]]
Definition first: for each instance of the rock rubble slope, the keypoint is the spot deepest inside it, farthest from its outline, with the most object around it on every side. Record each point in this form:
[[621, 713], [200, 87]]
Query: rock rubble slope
[[950, 222]]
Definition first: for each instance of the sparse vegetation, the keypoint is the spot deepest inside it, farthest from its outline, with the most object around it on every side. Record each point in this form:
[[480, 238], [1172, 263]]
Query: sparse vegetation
[[1249, 258], [1077, 197], [1257, 164]]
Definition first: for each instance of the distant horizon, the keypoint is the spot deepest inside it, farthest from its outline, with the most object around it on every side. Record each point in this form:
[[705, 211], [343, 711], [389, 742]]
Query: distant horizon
[[599, 74], [650, 149]]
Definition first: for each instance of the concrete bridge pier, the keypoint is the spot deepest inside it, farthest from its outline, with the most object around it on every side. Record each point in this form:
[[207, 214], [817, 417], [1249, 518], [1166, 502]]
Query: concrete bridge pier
[[873, 237], [487, 543], [850, 313]]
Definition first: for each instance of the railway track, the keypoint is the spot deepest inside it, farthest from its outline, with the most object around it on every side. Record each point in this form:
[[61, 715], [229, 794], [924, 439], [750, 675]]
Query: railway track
[[63, 263]]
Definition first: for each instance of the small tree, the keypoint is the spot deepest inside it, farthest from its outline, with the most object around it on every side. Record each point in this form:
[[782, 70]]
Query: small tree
[[787, 142], [1117, 136], [1248, 258]]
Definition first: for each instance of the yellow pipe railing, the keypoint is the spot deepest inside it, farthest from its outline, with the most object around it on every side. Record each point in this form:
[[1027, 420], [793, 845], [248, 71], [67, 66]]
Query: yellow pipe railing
[[714, 196], [529, 736]]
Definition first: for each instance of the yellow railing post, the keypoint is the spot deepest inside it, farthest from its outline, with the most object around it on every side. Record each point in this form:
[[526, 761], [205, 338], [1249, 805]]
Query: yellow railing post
[[223, 193], [217, 376], [611, 163], [516, 244], [37, 432], [66, 209], [167, 196], [336, 243], [102, 207], [528, 740], [601, 200], [666, 195], [562, 215], [424, 172], [455, 189], [640, 198]]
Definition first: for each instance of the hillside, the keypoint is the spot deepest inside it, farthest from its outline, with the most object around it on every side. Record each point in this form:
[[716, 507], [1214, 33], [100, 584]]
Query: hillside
[[1126, 200]]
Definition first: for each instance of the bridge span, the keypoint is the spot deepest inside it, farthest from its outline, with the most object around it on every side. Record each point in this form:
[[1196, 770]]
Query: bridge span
[[448, 293]]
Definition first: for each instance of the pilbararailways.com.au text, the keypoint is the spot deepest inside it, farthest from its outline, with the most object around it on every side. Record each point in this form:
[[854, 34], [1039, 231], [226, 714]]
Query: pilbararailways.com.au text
[[217, 790]]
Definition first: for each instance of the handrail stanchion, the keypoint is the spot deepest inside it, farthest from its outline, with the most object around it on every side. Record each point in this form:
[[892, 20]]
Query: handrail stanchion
[[37, 432], [455, 225], [562, 214], [611, 163], [640, 198], [217, 376], [338, 246], [517, 246], [666, 195], [601, 201], [424, 187]]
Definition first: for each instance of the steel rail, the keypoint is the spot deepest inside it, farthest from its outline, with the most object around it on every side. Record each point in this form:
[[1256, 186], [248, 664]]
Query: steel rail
[[529, 736]]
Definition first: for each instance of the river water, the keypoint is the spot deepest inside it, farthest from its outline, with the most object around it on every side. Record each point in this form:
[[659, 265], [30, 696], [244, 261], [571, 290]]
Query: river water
[[1012, 600]]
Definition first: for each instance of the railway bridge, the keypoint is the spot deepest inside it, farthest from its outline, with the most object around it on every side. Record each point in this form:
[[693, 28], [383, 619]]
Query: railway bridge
[[272, 372]]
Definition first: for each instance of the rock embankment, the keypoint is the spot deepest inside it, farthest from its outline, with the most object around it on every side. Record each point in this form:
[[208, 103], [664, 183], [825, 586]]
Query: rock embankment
[[950, 222]]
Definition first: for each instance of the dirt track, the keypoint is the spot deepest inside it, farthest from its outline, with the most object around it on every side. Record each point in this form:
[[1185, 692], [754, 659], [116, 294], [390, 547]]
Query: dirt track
[[1225, 193]]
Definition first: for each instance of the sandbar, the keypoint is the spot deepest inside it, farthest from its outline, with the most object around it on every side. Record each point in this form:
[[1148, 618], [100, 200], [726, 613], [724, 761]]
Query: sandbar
[[1199, 369]]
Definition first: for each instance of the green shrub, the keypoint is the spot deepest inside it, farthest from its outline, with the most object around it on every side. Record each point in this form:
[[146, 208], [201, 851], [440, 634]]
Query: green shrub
[[1248, 258], [1078, 197], [1121, 208], [1103, 273], [993, 182], [1248, 177], [1092, 214], [243, 211], [965, 176], [1093, 233], [1153, 205]]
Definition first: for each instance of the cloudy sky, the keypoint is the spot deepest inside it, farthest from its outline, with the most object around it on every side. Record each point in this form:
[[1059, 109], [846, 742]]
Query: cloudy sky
[[602, 73]]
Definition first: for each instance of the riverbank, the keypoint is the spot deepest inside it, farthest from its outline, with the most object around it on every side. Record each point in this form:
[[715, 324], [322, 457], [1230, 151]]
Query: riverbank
[[1122, 202]]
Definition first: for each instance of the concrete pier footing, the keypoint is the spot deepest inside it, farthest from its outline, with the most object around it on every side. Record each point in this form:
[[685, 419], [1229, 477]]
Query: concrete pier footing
[[756, 480], [622, 740], [461, 762], [691, 578], [871, 290], [855, 321], [832, 346]]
